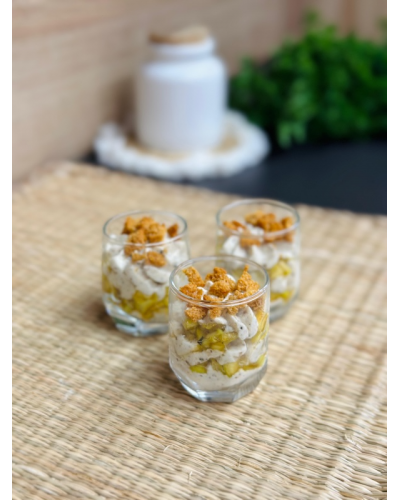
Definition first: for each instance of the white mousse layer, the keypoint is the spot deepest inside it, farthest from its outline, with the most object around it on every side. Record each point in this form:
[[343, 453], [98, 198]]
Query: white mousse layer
[[128, 276]]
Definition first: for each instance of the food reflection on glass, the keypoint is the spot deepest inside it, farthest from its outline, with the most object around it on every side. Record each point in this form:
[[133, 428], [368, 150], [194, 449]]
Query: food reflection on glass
[[268, 233], [140, 249], [219, 309]]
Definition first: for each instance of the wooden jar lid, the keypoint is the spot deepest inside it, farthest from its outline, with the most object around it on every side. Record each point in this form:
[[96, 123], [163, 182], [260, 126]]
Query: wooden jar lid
[[192, 34]]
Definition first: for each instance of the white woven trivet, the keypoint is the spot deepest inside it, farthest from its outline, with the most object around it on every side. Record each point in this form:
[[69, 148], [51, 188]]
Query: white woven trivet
[[243, 146]]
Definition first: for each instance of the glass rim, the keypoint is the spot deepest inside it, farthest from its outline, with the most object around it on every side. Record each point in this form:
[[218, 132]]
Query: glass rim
[[229, 303], [250, 201], [138, 212]]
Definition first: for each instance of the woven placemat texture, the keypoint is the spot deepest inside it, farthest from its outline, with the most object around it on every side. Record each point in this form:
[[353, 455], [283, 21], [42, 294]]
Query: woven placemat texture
[[99, 415]]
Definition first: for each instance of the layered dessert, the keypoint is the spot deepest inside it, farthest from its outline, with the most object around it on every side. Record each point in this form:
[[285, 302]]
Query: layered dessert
[[218, 329], [136, 267], [270, 242]]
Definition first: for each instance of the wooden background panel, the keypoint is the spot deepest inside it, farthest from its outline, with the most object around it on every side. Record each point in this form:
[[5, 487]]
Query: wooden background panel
[[73, 62]]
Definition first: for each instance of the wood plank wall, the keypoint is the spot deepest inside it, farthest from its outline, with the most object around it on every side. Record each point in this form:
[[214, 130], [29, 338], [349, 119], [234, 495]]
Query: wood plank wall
[[74, 61]]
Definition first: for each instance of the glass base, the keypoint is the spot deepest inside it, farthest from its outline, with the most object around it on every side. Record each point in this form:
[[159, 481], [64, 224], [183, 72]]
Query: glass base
[[132, 325], [228, 395], [280, 309]]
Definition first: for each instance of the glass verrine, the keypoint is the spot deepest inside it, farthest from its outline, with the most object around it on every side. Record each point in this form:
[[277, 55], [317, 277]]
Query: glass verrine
[[218, 342], [140, 249], [268, 233]]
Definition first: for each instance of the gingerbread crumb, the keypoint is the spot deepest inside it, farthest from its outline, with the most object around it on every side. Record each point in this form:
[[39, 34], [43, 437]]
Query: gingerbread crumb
[[215, 312], [138, 237], [212, 298], [128, 249], [287, 222], [259, 218], [137, 256], [221, 288], [155, 232], [191, 290], [257, 304], [266, 221], [155, 259], [218, 274], [173, 230], [249, 241], [144, 230], [145, 222], [289, 236], [237, 295], [129, 225], [194, 276], [246, 284], [234, 225], [195, 313], [276, 226]]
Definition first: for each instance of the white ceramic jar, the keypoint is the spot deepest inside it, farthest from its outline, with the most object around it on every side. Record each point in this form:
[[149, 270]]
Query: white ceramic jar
[[181, 95]]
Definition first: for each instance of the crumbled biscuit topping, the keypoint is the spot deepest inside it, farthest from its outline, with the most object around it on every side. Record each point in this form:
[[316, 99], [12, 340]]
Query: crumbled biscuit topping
[[218, 274], [156, 232], [234, 225], [191, 290], [223, 288], [249, 241], [156, 259], [259, 218], [257, 304], [194, 276], [138, 237], [144, 230], [237, 295], [246, 284], [130, 225], [129, 249], [136, 256], [287, 222], [173, 230], [145, 222], [212, 298], [215, 312], [266, 221], [195, 313]]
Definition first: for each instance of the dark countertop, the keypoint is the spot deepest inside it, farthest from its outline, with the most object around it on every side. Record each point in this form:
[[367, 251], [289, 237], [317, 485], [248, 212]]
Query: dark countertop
[[350, 176]]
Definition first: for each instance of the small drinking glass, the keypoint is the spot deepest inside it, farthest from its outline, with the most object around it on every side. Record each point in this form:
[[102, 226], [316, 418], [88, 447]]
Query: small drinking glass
[[268, 233], [218, 346], [140, 249]]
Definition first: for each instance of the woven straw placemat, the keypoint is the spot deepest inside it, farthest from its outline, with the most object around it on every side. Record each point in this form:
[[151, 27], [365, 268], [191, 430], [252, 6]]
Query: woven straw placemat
[[99, 415]]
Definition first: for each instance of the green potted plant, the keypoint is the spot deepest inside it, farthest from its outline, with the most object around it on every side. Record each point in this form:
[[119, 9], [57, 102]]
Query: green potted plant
[[322, 87]]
